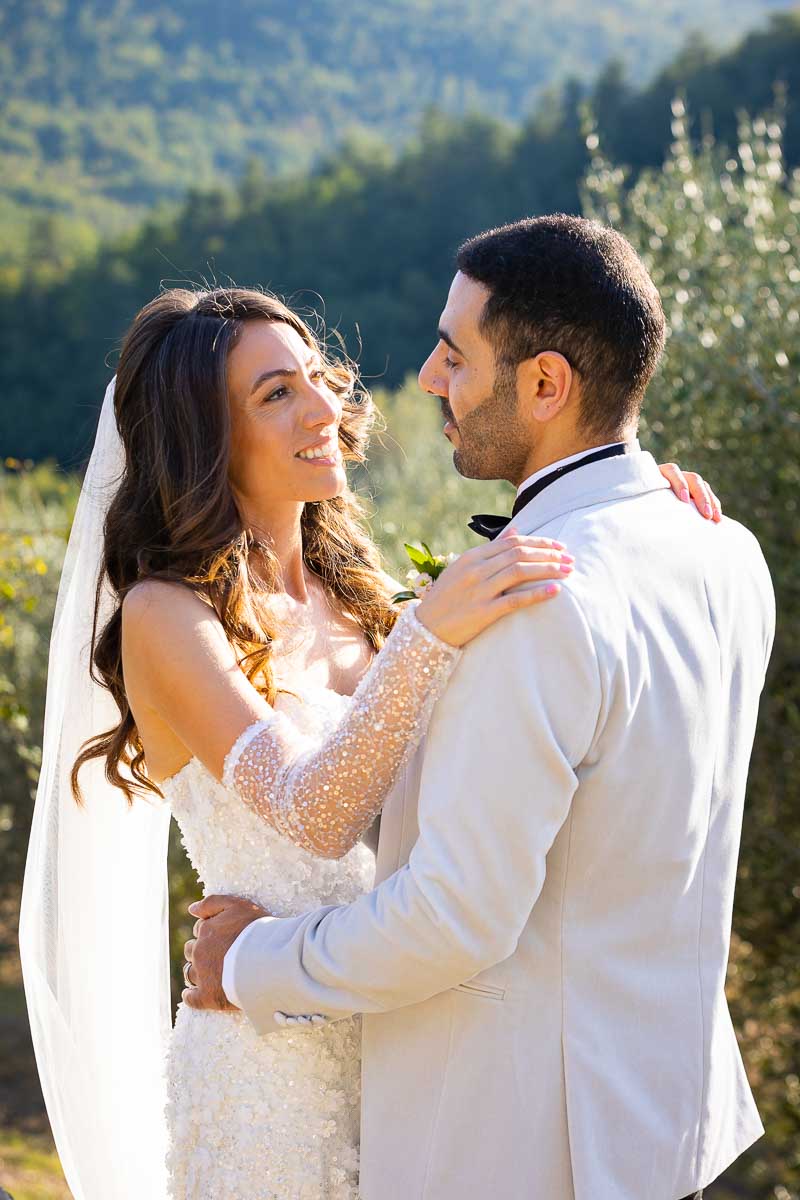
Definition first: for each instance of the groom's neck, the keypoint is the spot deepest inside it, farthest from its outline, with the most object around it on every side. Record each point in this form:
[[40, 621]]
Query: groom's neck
[[553, 448]]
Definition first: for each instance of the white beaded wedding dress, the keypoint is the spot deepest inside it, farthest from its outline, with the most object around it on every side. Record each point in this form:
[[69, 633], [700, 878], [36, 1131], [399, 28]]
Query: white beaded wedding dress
[[277, 1117], [248, 1118]]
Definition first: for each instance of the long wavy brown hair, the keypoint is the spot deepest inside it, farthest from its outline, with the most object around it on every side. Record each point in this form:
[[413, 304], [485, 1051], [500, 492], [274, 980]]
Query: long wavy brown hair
[[174, 515]]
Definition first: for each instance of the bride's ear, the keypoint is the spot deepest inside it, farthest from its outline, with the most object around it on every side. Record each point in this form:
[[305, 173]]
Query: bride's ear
[[544, 385]]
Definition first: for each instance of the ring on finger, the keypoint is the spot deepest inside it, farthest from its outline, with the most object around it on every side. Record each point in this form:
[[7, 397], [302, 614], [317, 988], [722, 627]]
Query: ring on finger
[[187, 966]]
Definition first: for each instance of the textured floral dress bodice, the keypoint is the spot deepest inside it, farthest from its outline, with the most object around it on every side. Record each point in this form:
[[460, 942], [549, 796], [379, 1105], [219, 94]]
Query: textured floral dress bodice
[[277, 1117]]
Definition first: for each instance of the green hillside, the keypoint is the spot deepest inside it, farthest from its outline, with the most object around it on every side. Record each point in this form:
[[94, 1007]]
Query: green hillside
[[372, 232], [109, 107]]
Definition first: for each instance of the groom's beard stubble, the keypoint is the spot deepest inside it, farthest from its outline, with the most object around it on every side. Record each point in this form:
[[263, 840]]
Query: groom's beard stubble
[[492, 439]]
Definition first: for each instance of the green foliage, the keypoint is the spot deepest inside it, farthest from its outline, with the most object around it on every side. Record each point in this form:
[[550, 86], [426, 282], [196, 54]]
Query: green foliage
[[415, 491], [36, 506], [721, 235], [372, 232], [111, 107]]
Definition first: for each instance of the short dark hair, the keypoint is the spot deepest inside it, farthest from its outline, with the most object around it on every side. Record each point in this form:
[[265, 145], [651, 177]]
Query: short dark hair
[[577, 287]]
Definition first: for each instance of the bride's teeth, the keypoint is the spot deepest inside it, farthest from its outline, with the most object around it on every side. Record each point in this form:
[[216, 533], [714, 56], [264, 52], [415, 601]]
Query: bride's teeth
[[320, 452]]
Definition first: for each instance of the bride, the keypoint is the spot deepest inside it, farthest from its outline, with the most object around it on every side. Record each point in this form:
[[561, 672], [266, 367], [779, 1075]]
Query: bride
[[215, 657]]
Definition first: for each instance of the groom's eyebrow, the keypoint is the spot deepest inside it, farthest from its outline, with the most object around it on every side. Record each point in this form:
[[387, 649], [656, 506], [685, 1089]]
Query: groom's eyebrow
[[444, 336]]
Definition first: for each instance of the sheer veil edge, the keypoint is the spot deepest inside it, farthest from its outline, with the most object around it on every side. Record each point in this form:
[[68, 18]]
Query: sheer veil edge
[[94, 938]]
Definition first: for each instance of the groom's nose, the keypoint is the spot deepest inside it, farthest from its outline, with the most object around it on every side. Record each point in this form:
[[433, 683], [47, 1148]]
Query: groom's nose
[[432, 378]]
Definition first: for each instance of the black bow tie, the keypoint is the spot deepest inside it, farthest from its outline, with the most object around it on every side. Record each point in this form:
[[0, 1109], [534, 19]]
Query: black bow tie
[[490, 526]]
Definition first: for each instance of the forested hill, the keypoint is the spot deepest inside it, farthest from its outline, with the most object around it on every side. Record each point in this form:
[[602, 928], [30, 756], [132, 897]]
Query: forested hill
[[111, 105], [371, 231]]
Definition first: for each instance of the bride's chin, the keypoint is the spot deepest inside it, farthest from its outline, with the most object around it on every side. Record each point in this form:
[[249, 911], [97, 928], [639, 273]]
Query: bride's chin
[[329, 489]]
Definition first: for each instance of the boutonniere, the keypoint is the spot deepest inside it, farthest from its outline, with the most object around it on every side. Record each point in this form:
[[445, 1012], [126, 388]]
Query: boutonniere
[[426, 567]]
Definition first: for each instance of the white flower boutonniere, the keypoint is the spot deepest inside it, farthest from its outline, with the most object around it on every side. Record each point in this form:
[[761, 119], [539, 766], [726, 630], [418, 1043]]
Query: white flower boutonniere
[[426, 569]]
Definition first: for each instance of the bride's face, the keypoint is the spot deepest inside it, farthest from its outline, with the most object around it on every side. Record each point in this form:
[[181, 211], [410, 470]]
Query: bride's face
[[284, 419]]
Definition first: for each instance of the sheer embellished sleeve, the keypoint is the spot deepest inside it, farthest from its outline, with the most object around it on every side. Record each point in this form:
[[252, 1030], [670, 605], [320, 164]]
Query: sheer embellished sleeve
[[324, 798]]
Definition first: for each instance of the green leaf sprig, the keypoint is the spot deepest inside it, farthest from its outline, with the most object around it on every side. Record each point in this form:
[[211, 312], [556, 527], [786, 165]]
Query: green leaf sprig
[[426, 567]]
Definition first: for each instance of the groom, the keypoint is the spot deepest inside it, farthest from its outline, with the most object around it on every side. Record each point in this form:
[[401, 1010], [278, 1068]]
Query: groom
[[542, 964]]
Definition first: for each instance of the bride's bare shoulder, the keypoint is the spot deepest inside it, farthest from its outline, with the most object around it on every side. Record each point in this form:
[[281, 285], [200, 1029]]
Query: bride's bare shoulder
[[158, 599], [156, 612]]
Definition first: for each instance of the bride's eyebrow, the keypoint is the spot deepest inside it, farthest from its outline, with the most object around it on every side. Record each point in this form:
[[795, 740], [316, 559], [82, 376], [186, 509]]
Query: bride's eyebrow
[[280, 372]]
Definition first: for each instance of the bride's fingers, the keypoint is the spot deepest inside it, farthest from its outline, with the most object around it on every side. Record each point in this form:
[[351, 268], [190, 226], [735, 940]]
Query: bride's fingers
[[527, 555], [700, 493], [523, 597], [527, 572], [512, 531], [514, 537], [717, 506], [676, 480]]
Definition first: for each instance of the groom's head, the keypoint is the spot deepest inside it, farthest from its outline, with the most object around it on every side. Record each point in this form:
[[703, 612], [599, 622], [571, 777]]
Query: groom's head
[[550, 335]]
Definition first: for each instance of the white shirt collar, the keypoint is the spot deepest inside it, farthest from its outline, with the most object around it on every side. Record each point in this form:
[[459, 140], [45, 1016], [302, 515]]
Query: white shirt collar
[[563, 462]]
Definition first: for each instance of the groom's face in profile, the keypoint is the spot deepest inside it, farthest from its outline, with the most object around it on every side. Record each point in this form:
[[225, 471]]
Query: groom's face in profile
[[479, 400]]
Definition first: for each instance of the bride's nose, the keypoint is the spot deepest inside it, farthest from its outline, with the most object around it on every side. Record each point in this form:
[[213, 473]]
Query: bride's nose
[[322, 407]]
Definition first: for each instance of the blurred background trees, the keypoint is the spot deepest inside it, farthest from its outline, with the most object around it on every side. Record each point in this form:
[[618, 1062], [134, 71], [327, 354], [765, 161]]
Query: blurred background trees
[[110, 106], [365, 233]]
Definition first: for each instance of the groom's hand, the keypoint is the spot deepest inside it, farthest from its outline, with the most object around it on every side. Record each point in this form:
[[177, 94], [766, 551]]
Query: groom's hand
[[220, 920]]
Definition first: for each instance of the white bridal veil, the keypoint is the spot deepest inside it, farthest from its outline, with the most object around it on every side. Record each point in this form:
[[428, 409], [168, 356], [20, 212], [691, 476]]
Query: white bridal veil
[[93, 926]]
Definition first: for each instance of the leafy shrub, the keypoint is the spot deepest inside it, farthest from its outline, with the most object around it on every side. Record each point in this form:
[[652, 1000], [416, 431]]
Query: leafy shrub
[[720, 232]]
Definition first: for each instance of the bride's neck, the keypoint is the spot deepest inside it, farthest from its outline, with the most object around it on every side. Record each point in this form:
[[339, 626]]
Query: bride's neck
[[281, 530]]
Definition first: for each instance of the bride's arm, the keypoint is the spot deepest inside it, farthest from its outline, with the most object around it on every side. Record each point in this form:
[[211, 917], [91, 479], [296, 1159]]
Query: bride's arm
[[325, 798], [180, 664]]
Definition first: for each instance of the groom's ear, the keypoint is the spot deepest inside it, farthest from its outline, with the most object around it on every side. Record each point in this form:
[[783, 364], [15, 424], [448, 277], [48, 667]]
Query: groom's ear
[[545, 385]]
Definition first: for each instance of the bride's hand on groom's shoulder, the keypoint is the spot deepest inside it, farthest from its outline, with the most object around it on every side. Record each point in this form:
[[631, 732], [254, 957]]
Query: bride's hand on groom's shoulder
[[220, 920], [688, 486], [490, 581]]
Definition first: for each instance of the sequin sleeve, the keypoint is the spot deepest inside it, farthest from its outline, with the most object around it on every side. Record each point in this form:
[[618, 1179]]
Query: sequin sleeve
[[324, 798]]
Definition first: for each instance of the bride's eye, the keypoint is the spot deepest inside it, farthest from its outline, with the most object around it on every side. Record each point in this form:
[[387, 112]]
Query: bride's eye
[[278, 393]]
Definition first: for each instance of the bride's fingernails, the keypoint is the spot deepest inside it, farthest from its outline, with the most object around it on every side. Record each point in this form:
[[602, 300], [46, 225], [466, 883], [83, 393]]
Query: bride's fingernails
[[566, 568], [568, 558], [558, 545], [552, 589], [685, 497]]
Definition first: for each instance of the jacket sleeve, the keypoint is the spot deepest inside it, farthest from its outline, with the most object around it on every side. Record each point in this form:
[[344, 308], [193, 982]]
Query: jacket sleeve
[[498, 777]]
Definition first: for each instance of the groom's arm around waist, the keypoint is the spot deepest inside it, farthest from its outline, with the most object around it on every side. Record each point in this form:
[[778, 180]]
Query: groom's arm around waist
[[519, 716]]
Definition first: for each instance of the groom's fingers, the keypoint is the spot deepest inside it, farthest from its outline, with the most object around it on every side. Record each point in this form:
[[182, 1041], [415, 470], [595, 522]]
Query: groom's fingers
[[210, 906]]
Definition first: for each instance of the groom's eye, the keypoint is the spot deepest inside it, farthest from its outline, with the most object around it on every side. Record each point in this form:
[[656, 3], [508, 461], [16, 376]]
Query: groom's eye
[[448, 362]]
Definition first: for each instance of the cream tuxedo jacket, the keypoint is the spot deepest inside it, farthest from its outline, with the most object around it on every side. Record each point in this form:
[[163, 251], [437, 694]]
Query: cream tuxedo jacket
[[542, 966]]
